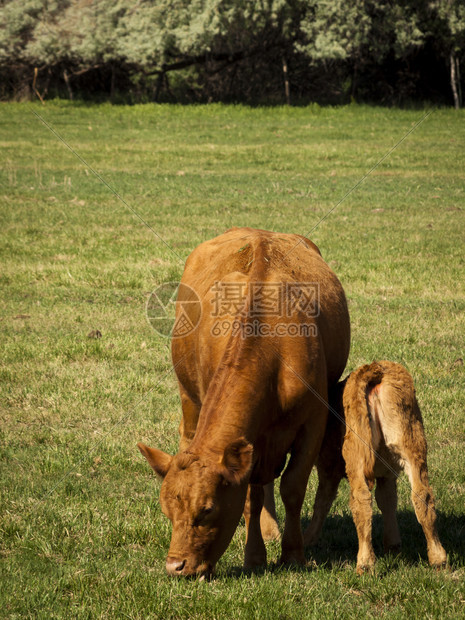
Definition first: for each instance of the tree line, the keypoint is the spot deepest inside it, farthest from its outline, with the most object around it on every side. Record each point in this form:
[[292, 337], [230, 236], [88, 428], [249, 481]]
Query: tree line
[[263, 51]]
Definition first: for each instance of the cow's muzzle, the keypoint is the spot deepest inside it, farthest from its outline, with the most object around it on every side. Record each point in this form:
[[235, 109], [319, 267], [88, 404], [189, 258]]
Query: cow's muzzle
[[174, 566], [178, 568]]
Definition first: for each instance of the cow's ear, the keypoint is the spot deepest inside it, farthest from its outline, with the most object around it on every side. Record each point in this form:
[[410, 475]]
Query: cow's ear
[[159, 461], [237, 461]]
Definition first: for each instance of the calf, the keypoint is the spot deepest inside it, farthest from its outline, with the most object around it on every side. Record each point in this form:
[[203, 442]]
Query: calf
[[374, 431]]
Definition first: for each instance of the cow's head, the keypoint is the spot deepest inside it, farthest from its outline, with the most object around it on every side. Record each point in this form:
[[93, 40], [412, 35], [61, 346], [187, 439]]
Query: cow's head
[[203, 496]]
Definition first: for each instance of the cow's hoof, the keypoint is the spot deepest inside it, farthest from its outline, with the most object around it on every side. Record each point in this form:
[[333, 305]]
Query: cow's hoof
[[255, 559], [296, 558], [310, 538], [254, 565]]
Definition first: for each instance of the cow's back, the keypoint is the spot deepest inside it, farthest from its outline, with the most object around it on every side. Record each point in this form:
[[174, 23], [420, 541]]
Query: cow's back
[[244, 255]]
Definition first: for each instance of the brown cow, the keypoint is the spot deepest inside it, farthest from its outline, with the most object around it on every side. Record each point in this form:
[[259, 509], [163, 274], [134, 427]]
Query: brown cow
[[375, 431], [251, 394]]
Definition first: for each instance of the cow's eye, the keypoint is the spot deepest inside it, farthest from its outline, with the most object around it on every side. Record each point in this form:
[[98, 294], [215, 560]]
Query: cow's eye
[[203, 514]]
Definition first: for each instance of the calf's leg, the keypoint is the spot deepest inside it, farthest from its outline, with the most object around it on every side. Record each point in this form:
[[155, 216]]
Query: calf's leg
[[386, 498], [423, 502], [360, 505]]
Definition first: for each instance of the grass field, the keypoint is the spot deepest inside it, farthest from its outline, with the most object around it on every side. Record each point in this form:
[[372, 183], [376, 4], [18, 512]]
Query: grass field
[[82, 534]]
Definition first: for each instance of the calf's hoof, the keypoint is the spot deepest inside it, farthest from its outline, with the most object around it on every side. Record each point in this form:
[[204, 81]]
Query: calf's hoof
[[365, 569], [366, 563], [438, 559]]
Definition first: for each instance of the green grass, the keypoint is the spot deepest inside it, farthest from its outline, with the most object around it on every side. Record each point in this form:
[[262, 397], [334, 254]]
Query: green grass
[[82, 534]]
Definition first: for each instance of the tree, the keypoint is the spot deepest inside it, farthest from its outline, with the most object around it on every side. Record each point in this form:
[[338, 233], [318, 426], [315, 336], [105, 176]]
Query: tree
[[447, 28], [165, 36], [212, 44], [358, 32]]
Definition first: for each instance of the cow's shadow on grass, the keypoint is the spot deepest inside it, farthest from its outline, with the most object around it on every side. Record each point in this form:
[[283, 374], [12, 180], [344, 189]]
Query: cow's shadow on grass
[[338, 544]]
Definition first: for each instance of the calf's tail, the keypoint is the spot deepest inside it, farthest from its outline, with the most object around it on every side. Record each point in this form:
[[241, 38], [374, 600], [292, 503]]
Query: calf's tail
[[360, 436]]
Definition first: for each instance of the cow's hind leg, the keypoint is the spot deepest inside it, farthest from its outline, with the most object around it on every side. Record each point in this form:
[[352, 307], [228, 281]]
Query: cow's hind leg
[[386, 498], [423, 502], [328, 483], [255, 551], [268, 519]]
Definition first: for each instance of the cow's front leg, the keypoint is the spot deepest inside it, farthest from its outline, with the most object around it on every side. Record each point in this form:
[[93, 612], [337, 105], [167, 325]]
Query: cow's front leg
[[293, 486], [255, 551]]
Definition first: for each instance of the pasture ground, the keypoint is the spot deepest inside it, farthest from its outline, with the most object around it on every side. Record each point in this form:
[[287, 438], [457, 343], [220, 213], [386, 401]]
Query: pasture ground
[[82, 535]]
